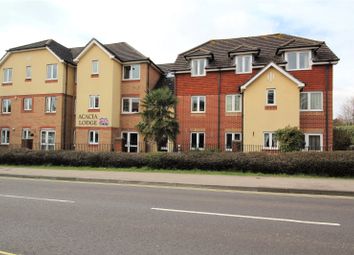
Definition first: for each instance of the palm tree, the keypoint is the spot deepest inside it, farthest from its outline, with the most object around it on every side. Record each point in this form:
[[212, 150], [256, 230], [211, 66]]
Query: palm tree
[[158, 118]]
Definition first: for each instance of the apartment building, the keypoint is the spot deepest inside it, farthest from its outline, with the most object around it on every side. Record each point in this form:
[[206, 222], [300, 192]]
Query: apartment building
[[54, 97], [244, 89]]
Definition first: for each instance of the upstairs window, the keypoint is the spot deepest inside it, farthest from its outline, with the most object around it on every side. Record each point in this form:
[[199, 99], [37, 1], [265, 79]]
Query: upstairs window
[[7, 75], [52, 72], [131, 72], [6, 106], [94, 102], [270, 97], [311, 101], [95, 67], [244, 64], [198, 104], [130, 105], [28, 72], [27, 104], [50, 104], [233, 103], [198, 67], [298, 60]]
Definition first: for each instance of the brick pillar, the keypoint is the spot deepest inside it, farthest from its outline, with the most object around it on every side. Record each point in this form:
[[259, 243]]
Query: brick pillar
[[118, 144]]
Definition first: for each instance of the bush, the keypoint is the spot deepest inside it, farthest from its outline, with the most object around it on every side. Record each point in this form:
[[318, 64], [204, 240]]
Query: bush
[[342, 139], [290, 139], [336, 164]]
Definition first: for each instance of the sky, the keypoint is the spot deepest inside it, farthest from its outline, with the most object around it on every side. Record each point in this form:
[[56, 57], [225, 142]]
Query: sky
[[161, 29]]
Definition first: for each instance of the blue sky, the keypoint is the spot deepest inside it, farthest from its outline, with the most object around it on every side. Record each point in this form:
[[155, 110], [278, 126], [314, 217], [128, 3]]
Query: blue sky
[[161, 29]]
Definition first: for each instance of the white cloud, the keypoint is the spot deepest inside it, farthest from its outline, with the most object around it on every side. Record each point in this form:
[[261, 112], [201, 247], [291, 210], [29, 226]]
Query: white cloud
[[162, 29]]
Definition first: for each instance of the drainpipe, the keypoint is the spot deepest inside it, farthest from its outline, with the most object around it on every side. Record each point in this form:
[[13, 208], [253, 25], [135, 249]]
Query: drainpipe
[[219, 110], [242, 119], [327, 117], [65, 105]]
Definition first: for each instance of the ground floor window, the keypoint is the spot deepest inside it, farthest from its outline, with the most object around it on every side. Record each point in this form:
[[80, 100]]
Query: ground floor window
[[26, 134], [229, 137], [270, 142], [93, 137], [5, 136], [130, 141], [47, 139], [197, 141], [313, 142]]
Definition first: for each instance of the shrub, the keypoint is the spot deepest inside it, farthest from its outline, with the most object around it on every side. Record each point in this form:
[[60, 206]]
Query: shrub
[[290, 139], [342, 139]]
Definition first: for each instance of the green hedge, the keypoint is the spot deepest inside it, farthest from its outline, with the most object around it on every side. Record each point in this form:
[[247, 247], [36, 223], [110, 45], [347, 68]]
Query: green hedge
[[338, 163]]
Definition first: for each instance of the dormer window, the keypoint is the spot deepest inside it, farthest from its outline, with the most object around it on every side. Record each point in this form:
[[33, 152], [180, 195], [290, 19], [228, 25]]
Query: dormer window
[[198, 67], [243, 64], [298, 60]]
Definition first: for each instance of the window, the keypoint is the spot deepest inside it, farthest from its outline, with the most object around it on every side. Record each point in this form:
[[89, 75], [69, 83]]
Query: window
[[233, 103], [229, 137], [5, 136], [198, 103], [197, 141], [93, 137], [94, 102], [244, 64], [27, 104], [6, 106], [298, 60], [313, 142], [198, 67], [7, 75], [28, 72], [130, 141], [52, 72], [311, 101], [50, 104], [48, 139], [270, 97], [131, 72], [26, 133], [270, 142], [130, 105], [95, 67]]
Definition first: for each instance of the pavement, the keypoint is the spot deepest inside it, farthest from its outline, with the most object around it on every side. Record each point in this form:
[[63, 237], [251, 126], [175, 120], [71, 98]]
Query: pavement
[[320, 186]]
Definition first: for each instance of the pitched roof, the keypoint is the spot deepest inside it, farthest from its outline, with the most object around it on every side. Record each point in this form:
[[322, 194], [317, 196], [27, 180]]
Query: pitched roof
[[198, 53], [267, 44]]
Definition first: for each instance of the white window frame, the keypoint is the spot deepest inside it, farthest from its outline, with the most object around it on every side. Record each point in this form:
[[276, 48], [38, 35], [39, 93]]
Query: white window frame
[[275, 96], [6, 106], [8, 75], [128, 145], [198, 104], [5, 136], [26, 105], [28, 73], [242, 69], [309, 98], [95, 64], [197, 140], [271, 145], [233, 136], [131, 78], [48, 101], [298, 60], [94, 133], [46, 145], [198, 62], [233, 99], [26, 133], [92, 102], [130, 111], [307, 140], [50, 72]]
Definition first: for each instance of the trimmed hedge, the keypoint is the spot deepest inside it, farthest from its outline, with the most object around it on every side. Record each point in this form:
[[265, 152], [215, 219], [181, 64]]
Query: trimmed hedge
[[336, 164]]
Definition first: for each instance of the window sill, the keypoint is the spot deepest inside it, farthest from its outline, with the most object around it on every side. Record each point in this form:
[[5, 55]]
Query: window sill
[[4, 144], [95, 75], [270, 107], [6, 113], [7, 83], [93, 144], [94, 110], [269, 149], [130, 113], [243, 72], [198, 75], [50, 112], [311, 110], [51, 81], [300, 69], [28, 80], [131, 80], [198, 112]]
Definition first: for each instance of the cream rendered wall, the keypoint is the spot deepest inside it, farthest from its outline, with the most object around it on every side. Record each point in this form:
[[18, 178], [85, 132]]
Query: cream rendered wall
[[103, 85], [38, 60], [116, 93], [257, 119]]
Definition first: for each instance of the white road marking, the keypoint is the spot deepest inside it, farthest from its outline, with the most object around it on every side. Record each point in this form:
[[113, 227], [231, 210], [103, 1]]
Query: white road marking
[[37, 198], [250, 217]]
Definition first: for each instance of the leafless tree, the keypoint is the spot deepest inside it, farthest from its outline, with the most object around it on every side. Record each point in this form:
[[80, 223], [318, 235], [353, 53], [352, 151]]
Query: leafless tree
[[347, 111]]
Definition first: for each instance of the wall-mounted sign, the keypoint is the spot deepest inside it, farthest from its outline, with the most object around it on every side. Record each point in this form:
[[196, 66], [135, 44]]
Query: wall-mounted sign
[[92, 119], [103, 122]]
